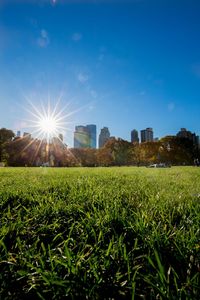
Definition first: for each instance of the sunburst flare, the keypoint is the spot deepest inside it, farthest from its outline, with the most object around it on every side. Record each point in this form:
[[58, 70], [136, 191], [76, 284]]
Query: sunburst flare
[[48, 123]]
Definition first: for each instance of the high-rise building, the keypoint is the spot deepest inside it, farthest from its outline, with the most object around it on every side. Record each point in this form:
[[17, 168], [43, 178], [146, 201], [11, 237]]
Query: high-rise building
[[147, 135], [60, 136], [92, 131], [81, 138], [27, 135], [103, 136], [184, 133], [85, 136], [134, 136], [18, 133]]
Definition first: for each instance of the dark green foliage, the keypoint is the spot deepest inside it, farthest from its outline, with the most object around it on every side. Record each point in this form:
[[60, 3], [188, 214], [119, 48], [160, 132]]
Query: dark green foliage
[[118, 233], [6, 135]]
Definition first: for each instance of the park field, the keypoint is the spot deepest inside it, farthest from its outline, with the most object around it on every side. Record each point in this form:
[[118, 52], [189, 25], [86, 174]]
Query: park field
[[100, 233]]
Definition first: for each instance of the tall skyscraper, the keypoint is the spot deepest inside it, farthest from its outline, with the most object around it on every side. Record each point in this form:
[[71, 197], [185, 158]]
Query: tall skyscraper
[[147, 135], [92, 131], [134, 136], [85, 136], [18, 133], [81, 137], [103, 136], [184, 133], [60, 136]]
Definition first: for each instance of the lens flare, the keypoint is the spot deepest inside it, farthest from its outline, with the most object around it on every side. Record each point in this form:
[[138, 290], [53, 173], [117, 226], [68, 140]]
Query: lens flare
[[48, 125], [47, 122]]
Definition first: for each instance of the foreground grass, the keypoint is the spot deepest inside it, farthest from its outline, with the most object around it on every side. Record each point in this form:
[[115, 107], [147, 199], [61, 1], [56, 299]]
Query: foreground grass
[[116, 233]]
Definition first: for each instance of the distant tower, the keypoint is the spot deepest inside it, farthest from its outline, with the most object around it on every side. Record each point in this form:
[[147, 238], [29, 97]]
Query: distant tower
[[85, 136], [60, 136], [81, 138], [92, 131], [134, 136], [27, 135], [103, 136], [147, 135], [18, 133], [184, 133]]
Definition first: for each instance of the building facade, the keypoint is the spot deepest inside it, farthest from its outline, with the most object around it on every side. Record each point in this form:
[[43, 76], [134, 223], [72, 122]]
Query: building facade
[[184, 133], [104, 136], [85, 136], [92, 132], [134, 136], [147, 135]]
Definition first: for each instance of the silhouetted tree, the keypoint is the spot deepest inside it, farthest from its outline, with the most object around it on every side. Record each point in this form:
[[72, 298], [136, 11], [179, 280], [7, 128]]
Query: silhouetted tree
[[6, 135]]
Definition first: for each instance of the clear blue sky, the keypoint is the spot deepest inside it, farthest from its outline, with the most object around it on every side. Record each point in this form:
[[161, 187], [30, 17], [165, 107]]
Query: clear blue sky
[[121, 64]]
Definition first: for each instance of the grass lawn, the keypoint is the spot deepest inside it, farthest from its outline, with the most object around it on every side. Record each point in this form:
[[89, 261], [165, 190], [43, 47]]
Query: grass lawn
[[101, 233]]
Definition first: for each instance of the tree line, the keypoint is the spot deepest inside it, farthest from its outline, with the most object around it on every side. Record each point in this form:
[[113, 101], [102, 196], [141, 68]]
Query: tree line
[[26, 151]]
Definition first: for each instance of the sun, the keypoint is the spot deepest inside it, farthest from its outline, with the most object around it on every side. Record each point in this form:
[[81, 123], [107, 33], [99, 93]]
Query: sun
[[48, 125], [48, 121]]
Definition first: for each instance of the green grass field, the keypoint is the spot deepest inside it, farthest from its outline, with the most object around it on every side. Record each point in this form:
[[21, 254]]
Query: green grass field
[[102, 233]]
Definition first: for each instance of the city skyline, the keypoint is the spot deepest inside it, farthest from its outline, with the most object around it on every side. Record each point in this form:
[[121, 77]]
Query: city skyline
[[86, 136], [130, 64]]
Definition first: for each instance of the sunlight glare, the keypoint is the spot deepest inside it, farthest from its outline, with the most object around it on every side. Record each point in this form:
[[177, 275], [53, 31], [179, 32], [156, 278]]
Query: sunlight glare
[[48, 125], [47, 122]]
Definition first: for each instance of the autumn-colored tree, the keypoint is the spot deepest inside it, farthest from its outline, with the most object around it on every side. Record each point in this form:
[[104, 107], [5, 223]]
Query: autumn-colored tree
[[150, 152], [120, 150], [104, 157], [33, 152], [85, 156]]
